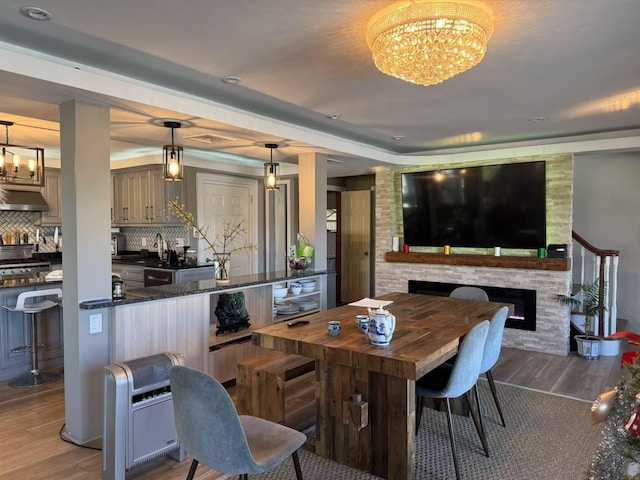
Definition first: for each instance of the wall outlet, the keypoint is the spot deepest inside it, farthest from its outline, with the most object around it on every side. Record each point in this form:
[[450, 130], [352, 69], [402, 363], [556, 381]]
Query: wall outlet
[[95, 323], [179, 242], [144, 241]]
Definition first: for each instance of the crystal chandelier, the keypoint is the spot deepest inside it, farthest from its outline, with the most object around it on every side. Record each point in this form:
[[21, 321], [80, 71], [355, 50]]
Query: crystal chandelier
[[426, 41]]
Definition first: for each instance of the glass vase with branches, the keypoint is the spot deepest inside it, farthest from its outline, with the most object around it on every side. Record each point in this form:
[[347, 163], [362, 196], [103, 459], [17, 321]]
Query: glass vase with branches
[[232, 238]]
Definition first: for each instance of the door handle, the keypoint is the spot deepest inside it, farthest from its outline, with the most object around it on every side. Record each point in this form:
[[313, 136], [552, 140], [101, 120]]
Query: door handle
[[366, 254]]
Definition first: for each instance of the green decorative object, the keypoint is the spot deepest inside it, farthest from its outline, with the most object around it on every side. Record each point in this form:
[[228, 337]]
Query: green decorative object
[[231, 312]]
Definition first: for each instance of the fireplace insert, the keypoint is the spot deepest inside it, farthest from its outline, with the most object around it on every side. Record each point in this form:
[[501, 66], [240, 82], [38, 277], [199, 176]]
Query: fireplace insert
[[524, 301]]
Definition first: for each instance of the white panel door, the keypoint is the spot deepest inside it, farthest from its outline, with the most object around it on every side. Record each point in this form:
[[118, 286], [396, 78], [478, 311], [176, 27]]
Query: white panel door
[[356, 245], [228, 200]]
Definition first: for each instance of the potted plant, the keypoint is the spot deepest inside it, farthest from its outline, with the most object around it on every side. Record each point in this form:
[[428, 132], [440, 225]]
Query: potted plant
[[586, 302]]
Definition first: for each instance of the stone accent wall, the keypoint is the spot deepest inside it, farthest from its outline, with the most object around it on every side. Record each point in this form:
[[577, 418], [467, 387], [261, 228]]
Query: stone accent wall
[[552, 327]]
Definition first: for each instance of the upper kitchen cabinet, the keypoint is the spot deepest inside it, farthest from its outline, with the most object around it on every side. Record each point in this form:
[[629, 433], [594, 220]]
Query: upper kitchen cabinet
[[140, 197], [52, 192]]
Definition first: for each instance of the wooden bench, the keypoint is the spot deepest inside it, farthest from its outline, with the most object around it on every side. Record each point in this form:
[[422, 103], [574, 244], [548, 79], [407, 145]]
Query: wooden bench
[[278, 387]]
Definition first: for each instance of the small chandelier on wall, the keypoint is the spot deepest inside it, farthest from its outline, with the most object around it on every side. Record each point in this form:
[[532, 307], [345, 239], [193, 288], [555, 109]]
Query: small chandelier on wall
[[271, 170], [20, 165], [172, 161]]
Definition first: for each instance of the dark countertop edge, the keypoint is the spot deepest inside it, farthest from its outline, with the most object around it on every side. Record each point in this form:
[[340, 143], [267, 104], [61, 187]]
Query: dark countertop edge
[[150, 263], [140, 295]]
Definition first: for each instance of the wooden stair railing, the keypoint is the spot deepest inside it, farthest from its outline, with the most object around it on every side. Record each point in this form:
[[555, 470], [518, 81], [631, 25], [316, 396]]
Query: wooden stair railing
[[602, 265]]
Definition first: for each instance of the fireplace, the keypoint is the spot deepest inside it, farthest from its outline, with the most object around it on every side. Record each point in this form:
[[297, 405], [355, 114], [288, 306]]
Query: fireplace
[[524, 301]]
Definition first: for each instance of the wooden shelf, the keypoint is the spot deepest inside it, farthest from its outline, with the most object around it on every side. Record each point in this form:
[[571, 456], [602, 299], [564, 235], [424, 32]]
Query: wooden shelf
[[216, 341], [526, 263]]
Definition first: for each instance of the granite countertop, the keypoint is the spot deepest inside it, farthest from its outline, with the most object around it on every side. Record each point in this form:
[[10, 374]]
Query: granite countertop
[[138, 295]]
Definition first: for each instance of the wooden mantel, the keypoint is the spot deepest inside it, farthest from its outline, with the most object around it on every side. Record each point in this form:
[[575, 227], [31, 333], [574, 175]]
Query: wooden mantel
[[527, 263]]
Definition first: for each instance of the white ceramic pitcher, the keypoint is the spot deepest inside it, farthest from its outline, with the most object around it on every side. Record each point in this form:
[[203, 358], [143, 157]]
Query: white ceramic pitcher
[[381, 327]]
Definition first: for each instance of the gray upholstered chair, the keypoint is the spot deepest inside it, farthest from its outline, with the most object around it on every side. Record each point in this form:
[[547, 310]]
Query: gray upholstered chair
[[469, 293], [213, 433], [455, 380], [492, 348]]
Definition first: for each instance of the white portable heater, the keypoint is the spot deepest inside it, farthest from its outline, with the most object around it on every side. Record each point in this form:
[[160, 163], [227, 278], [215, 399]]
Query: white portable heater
[[138, 414]]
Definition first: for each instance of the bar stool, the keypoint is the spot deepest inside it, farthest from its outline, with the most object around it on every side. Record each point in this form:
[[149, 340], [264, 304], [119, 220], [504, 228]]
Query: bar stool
[[34, 377]]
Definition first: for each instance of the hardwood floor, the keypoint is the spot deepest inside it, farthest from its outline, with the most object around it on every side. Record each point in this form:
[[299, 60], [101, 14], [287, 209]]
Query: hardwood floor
[[571, 376], [31, 419]]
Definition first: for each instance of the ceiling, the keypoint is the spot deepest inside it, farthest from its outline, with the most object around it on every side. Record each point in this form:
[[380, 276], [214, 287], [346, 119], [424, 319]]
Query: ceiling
[[556, 71]]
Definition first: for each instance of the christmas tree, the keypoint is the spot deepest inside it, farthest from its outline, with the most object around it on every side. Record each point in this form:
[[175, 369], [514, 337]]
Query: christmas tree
[[618, 455]]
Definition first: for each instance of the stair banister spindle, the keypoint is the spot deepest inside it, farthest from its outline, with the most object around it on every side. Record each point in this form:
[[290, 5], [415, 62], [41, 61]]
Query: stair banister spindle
[[613, 295], [583, 254], [605, 306]]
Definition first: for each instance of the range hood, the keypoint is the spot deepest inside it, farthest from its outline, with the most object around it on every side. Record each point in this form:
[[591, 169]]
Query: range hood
[[24, 201]]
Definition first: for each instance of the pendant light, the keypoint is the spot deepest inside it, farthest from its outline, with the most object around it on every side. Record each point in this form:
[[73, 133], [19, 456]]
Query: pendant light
[[19, 164], [271, 170], [172, 157]]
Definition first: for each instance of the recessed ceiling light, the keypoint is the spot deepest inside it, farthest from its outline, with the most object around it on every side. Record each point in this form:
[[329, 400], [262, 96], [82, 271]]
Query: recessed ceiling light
[[36, 13], [398, 137], [537, 119], [231, 80], [335, 116]]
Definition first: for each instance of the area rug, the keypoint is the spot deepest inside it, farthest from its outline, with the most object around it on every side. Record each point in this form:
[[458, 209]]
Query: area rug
[[548, 437]]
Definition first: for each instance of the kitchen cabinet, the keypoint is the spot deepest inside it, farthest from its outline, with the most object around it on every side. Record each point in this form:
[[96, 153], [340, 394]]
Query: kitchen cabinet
[[131, 192], [140, 197], [113, 199], [133, 275], [52, 193], [183, 319], [15, 332], [223, 361], [194, 274]]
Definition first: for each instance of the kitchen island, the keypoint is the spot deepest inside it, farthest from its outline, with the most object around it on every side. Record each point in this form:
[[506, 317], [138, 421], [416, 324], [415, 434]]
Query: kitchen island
[[181, 318]]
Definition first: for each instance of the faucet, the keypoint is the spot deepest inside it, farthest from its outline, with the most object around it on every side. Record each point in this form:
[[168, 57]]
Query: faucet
[[159, 246]]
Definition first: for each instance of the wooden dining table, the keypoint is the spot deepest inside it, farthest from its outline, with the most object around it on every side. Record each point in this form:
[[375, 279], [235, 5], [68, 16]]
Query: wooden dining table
[[365, 394]]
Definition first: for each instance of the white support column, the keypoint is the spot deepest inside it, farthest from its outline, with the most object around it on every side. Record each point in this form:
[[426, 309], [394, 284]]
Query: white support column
[[86, 262], [312, 213]]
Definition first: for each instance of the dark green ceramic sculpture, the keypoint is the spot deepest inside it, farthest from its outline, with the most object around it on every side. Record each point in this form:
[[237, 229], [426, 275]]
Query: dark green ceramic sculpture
[[231, 312]]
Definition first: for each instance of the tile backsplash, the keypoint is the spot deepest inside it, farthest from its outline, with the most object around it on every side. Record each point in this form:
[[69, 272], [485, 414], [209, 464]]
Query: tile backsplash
[[134, 236], [19, 223]]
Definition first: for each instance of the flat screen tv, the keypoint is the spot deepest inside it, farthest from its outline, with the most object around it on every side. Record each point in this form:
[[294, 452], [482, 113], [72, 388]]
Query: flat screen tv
[[490, 206]]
